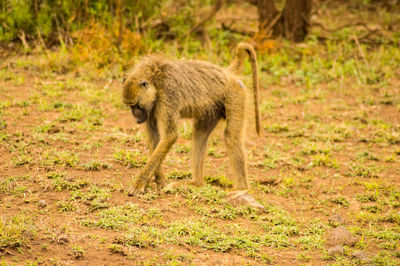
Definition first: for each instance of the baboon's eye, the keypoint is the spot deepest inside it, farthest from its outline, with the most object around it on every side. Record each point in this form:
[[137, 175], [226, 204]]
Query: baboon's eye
[[123, 80], [143, 84]]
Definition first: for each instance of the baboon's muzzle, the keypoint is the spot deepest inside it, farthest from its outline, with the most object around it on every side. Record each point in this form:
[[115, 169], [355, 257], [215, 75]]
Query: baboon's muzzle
[[139, 113]]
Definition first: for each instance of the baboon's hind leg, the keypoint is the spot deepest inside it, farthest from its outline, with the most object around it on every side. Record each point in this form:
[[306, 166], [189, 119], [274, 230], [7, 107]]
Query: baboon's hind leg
[[235, 112], [201, 130]]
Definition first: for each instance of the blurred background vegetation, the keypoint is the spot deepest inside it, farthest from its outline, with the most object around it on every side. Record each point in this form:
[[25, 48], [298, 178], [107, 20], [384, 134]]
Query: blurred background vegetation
[[109, 34]]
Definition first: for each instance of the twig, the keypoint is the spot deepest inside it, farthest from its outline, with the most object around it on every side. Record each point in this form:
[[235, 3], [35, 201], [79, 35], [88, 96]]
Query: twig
[[243, 32], [236, 18], [108, 84], [47, 83], [137, 24], [366, 36], [302, 169], [359, 23], [40, 38], [184, 244], [59, 30], [22, 37], [360, 49], [273, 22], [217, 6], [119, 5]]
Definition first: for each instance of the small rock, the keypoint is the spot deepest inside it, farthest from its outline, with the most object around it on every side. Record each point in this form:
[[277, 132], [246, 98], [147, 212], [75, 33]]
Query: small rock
[[336, 220], [341, 236], [172, 188], [336, 251], [53, 130], [243, 198], [42, 203], [269, 181], [360, 255], [62, 239]]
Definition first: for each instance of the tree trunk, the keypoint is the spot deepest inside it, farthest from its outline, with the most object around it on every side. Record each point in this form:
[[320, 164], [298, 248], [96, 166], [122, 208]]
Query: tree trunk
[[292, 23], [296, 17], [267, 13]]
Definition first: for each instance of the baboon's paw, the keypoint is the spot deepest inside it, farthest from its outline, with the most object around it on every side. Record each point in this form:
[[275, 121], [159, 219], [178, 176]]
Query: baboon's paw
[[138, 188], [133, 191]]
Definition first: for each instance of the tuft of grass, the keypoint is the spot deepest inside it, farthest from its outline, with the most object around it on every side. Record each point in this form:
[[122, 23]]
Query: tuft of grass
[[77, 252], [124, 217], [96, 198], [367, 197], [141, 237], [362, 171], [65, 206], [16, 231], [207, 236], [342, 201], [22, 159], [61, 157], [61, 181], [175, 175], [276, 128], [130, 158], [94, 165], [219, 181], [183, 148], [324, 160]]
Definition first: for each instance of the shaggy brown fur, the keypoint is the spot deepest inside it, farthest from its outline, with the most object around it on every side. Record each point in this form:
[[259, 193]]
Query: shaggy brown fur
[[160, 91]]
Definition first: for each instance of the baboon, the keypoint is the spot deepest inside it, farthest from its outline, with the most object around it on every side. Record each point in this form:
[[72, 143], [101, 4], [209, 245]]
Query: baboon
[[159, 92]]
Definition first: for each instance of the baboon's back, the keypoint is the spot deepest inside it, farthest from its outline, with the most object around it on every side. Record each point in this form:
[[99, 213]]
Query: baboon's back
[[197, 87]]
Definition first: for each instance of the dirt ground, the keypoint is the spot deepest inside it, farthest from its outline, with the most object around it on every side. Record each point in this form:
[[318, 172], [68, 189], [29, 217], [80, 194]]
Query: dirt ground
[[328, 157]]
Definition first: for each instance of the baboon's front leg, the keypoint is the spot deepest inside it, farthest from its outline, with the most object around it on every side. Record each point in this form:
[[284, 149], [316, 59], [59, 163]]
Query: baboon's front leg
[[201, 131], [168, 136], [153, 139]]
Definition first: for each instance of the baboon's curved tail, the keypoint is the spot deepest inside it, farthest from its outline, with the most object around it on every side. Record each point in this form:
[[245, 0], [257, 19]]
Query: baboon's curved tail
[[237, 67]]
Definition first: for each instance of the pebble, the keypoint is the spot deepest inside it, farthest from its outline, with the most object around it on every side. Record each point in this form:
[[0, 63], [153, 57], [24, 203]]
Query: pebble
[[336, 251], [269, 181], [341, 236], [361, 255], [62, 239], [42, 203], [336, 220], [243, 198], [172, 188]]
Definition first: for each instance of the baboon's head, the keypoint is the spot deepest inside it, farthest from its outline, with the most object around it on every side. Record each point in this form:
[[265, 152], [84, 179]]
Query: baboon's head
[[139, 93]]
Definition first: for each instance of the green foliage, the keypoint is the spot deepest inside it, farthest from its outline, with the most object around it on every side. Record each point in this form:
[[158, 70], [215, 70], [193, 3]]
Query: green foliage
[[124, 217], [141, 237], [60, 181], [220, 181], [77, 251], [96, 198], [130, 158], [48, 18], [65, 206], [16, 231]]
